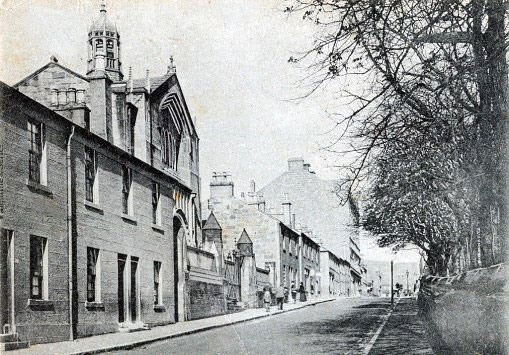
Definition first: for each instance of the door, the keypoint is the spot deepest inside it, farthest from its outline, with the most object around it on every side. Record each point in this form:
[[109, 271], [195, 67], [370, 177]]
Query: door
[[121, 288], [133, 297]]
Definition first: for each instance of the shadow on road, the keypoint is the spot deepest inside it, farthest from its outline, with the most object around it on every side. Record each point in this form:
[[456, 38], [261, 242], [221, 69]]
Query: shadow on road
[[349, 332], [374, 305]]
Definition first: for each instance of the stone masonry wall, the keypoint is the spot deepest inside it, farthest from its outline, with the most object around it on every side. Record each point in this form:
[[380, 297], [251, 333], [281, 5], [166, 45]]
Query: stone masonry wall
[[206, 299], [42, 211], [103, 226], [39, 212], [315, 206], [234, 215]]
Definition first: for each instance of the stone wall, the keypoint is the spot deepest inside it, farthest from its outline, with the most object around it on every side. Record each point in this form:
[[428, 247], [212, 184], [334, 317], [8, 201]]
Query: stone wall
[[314, 204], [205, 293], [234, 215], [32, 209]]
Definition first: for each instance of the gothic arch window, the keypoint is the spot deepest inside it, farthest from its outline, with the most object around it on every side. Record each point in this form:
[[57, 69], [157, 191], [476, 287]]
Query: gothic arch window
[[165, 147], [109, 44]]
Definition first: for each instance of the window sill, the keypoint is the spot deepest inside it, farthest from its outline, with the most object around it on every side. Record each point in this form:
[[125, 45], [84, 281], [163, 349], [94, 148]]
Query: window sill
[[41, 305], [36, 187], [158, 228], [93, 206], [94, 305], [129, 218], [159, 308]]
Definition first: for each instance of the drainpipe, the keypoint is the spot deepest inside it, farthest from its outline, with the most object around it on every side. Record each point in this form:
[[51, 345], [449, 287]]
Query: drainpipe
[[69, 234], [192, 219]]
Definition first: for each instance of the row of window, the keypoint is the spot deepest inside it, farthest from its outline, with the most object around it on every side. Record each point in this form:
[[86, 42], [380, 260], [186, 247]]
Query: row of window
[[308, 251], [92, 190], [100, 33], [37, 172], [39, 272]]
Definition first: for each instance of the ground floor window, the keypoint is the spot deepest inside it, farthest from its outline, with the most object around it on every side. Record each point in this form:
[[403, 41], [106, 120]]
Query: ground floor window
[[157, 283], [38, 268], [93, 275]]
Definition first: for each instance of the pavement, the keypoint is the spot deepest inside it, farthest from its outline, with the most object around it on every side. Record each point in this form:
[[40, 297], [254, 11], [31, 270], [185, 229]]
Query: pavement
[[403, 333], [124, 341]]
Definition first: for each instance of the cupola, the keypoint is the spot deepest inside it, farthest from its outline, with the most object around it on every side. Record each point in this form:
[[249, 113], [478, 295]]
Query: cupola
[[104, 47]]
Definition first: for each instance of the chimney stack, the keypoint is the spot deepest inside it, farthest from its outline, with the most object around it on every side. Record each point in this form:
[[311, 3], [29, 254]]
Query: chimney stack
[[221, 185], [295, 163], [287, 211]]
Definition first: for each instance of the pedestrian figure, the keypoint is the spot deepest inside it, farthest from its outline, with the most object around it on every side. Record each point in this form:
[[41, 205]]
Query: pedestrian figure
[[267, 299], [280, 296], [302, 293], [294, 292]]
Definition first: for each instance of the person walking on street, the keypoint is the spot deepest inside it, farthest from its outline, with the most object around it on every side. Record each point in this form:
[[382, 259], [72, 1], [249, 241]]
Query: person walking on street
[[267, 298], [302, 293], [280, 296], [294, 292]]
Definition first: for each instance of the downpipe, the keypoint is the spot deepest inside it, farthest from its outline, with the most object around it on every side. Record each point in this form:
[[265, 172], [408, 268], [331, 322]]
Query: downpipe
[[69, 234]]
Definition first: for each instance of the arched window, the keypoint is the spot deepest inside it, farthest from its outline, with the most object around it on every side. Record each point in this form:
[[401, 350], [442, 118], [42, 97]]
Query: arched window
[[99, 44], [109, 44]]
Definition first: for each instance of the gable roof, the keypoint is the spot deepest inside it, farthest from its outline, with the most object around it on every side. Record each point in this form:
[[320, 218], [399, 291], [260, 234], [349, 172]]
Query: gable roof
[[49, 65], [157, 83]]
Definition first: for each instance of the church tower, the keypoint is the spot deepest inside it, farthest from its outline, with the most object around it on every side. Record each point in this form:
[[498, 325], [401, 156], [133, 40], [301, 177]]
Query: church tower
[[104, 47]]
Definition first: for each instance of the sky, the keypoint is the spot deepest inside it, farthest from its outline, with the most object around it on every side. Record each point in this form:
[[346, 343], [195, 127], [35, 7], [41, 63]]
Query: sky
[[232, 63]]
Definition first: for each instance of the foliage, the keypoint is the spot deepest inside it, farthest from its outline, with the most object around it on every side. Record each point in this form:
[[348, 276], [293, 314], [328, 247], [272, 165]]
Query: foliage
[[425, 118]]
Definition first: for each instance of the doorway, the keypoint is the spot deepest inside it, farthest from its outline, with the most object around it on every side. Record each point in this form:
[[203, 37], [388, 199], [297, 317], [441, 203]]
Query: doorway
[[128, 289], [121, 288], [133, 297]]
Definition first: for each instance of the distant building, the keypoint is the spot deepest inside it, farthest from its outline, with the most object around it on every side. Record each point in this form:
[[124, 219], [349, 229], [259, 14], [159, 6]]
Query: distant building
[[289, 254], [99, 197], [379, 274], [317, 207], [336, 277]]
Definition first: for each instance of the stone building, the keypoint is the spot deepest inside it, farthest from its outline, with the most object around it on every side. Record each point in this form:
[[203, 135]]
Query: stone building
[[336, 277], [289, 254], [99, 197], [317, 207]]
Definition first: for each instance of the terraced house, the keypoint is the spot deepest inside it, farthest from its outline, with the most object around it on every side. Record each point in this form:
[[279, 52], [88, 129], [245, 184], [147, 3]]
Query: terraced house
[[99, 197]]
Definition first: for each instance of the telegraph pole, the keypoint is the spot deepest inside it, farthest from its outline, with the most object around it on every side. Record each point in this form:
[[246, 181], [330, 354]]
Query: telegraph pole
[[392, 281]]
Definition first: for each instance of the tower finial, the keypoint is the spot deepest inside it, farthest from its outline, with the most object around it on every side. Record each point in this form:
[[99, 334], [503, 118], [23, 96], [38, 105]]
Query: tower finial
[[103, 5], [147, 82], [171, 67]]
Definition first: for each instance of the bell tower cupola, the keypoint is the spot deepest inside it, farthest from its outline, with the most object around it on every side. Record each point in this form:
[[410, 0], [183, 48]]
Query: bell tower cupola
[[104, 47]]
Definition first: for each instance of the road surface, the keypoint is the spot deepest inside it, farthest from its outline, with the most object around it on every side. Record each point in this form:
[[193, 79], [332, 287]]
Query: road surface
[[346, 326]]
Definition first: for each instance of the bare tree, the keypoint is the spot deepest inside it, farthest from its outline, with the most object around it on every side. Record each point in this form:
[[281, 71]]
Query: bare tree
[[426, 67]]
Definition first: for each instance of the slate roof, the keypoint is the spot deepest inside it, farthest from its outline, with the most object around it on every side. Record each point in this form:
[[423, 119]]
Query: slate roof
[[155, 82], [212, 223], [244, 238]]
